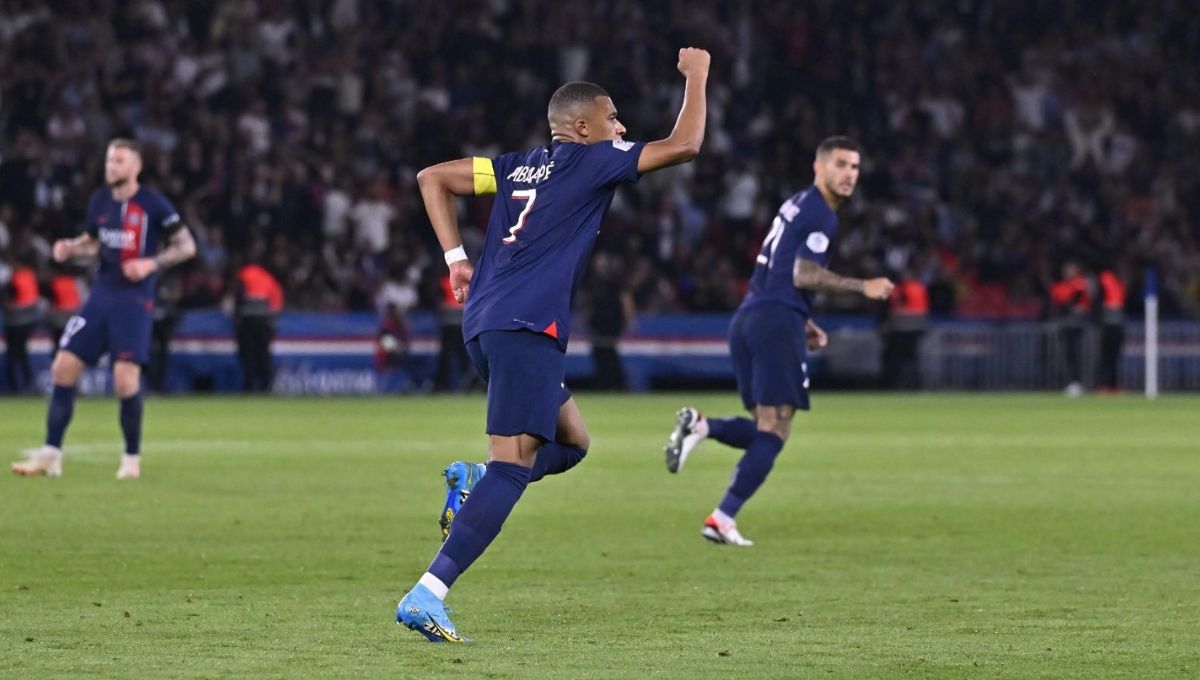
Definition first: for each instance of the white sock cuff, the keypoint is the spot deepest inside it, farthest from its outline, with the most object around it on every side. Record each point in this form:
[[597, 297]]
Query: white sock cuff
[[723, 518], [435, 585]]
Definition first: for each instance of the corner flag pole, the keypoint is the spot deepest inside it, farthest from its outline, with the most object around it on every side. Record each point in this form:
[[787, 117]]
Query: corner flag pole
[[1151, 335]]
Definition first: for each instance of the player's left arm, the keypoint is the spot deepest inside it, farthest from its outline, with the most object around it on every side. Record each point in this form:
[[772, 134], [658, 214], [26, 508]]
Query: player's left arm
[[685, 139], [180, 247], [812, 276], [440, 185]]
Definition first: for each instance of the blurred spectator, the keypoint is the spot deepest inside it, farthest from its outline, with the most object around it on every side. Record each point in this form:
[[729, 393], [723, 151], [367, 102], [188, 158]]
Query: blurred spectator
[[1112, 329], [993, 145], [22, 312], [454, 368], [610, 314], [66, 292], [1071, 297], [258, 299], [166, 319], [391, 341], [907, 320]]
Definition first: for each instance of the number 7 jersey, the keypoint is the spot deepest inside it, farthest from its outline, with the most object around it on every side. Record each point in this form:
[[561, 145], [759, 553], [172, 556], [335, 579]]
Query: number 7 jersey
[[549, 204], [805, 227]]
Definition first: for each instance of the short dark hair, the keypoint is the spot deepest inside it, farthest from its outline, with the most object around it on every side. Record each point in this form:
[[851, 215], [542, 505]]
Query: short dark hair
[[573, 94], [837, 142], [127, 143]]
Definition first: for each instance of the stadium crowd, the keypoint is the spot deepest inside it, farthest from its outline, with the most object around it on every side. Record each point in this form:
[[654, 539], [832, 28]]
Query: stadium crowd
[[1001, 138]]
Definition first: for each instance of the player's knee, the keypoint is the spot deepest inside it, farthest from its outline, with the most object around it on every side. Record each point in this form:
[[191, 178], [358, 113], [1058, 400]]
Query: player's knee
[[66, 369], [779, 425], [127, 379]]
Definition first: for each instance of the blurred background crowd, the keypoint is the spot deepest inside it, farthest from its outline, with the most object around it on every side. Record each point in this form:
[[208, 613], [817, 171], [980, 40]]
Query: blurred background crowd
[[1001, 139]]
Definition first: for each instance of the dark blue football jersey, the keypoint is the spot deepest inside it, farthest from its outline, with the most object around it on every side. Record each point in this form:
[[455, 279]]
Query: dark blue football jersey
[[128, 230], [549, 204], [805, 227]]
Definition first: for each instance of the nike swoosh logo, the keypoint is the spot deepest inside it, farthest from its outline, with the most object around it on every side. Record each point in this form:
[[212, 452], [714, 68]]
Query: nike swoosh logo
[[447, 635]]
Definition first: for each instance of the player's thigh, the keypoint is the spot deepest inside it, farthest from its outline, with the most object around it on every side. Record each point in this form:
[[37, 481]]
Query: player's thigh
[[742, 359], [525, 374], [572, 429], [86, 333], [130, 323], [475, 353], [779, 360]]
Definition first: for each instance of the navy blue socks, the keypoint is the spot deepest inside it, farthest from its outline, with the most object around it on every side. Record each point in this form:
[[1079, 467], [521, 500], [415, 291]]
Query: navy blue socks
[[735, 432], [751, 471], [480, 520], [554, 458], [58, 416], [131, 423]]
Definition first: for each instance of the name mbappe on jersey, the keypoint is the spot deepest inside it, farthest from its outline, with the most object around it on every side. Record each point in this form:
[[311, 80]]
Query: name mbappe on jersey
[[549, 205]]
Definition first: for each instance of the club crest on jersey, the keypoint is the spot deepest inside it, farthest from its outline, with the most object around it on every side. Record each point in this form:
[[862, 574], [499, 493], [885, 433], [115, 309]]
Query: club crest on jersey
[[817, 242]]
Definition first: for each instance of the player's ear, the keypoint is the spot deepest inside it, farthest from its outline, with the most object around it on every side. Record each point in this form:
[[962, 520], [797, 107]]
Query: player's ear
[[581, 127]]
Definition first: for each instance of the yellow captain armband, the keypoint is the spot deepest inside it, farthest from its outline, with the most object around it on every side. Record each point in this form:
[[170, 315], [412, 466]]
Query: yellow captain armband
[[485, 176]]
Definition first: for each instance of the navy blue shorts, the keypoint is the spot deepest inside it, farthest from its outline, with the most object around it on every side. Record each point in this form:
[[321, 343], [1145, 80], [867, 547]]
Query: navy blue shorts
[[115, 324], [525, 374], [770, 355]]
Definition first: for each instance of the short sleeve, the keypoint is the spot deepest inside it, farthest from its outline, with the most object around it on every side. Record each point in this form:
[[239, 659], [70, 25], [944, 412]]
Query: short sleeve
[[616, 161], [815, 240], [170, 220]]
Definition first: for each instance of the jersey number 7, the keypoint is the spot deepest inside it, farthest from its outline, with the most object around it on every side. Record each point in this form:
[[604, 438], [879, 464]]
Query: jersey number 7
[[529, 195]]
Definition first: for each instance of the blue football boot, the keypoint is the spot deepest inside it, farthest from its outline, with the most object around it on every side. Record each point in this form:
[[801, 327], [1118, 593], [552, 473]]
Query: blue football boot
[[460, 479], [424, 613]]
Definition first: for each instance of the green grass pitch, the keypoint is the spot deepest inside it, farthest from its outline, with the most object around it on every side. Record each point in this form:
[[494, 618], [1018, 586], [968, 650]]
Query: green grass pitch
[[905, 536]]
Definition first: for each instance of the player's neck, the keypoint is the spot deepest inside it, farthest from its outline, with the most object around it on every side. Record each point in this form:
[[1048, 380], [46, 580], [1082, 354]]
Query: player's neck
[[831, 199], [125, 191]]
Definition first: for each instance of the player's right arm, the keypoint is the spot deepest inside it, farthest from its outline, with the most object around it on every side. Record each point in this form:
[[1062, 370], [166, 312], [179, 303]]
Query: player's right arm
[[440, 185], [684, 142], [84, 245], [812, 276]]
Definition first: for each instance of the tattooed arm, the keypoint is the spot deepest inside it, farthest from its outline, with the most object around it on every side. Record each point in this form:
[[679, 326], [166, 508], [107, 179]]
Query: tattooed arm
[[812, 276], [181, 247]]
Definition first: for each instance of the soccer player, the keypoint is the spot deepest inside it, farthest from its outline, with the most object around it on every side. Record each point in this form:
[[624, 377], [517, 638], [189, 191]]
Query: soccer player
[[550, 202], [126, 224], [773, 330]]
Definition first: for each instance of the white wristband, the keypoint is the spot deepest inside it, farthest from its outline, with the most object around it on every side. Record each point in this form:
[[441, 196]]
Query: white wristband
[[455, 255]]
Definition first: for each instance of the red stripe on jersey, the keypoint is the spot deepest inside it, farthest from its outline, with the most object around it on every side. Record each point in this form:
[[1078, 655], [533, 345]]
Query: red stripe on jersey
[[551, 330], [133, 224]]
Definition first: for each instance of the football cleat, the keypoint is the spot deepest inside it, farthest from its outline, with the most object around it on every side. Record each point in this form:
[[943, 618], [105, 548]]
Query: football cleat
[[727, 534], [131, 467], [690, 430], [460, 479], [424, 613], [45, 461]]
